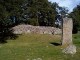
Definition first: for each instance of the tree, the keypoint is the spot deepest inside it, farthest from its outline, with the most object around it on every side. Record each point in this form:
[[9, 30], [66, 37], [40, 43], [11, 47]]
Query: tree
[[42, 11], [63, 11], [8, 8], [75, 15]]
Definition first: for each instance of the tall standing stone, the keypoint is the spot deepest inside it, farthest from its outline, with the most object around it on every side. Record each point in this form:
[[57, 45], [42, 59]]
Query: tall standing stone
[[67, 27]]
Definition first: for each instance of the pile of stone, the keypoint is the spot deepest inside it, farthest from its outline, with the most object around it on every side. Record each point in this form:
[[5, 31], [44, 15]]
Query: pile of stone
[[24, 29]]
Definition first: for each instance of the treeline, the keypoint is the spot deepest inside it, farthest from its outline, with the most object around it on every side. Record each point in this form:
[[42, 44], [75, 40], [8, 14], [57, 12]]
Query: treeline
[[34, 12], [75, 15]]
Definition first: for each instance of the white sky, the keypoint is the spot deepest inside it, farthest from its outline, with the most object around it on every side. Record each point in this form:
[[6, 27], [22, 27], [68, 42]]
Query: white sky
[[67, 3]]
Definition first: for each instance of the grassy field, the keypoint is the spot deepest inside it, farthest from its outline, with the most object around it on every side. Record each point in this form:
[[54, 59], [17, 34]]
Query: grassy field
[[37, 47]]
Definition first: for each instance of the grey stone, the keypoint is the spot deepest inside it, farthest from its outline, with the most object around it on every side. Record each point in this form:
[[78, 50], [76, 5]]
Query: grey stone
[[67, 31], [28, 31], [24, 29], [71, 49]]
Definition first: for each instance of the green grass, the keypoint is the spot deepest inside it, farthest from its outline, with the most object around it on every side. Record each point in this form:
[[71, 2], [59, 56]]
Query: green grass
[[36, 46]]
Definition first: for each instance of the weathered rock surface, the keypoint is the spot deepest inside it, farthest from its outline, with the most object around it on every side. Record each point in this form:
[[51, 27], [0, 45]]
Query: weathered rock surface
[[71, 49], [20, 29], [67, 31]]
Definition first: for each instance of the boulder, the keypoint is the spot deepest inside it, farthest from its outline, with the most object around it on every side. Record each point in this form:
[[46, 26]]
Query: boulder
[[71, 49]]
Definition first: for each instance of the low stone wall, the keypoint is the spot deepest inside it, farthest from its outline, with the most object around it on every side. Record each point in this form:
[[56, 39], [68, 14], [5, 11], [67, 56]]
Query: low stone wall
[[24, 29]]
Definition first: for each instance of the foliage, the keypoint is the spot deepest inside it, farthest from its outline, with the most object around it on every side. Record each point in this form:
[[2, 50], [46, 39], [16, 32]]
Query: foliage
[[41, 10], [23, 10], [75, 15], [7, 8], [33, 21]]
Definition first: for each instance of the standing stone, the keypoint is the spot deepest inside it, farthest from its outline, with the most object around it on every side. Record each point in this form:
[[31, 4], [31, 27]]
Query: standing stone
[[67, 27]]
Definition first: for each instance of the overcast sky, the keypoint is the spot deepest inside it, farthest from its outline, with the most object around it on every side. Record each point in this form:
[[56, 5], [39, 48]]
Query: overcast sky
[[67, 3]]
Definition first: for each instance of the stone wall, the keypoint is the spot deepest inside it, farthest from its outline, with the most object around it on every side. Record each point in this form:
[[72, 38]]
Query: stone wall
[[24, 29]]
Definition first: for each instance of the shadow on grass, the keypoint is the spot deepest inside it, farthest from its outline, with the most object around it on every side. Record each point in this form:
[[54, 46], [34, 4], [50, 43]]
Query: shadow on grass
[[5, 34], [55, 44]]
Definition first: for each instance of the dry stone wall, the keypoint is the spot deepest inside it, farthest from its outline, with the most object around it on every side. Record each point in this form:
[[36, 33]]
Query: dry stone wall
[[24, 29]]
